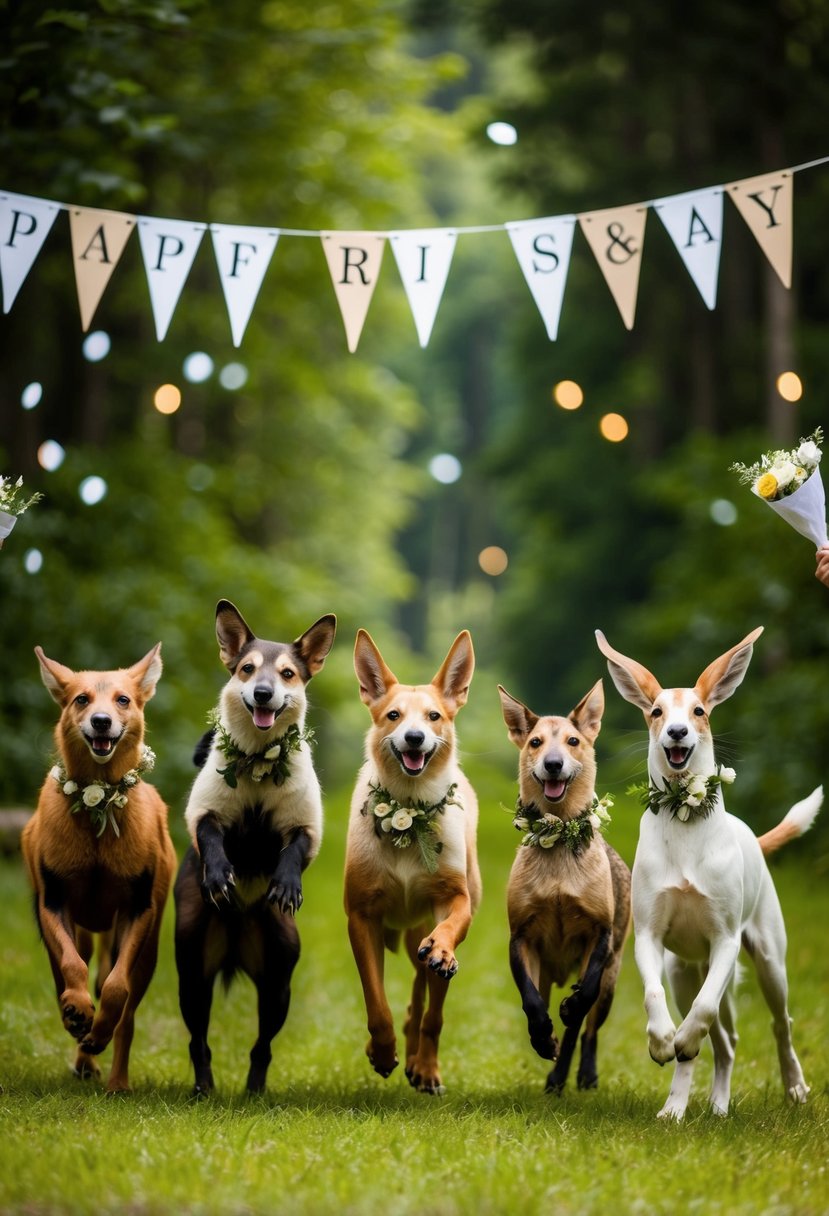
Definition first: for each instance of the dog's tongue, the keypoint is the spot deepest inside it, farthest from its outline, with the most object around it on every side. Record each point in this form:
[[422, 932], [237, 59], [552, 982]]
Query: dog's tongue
[[264, 718], [677, 755], [413, 761], [554, 789], [102, 747]]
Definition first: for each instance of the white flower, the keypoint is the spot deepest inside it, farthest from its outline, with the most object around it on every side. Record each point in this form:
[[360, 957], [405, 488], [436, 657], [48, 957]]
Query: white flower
[[385, 824], [521, 823], [401, 820], [147, 759], [402, 842], [697, 786], [683, 812], [381, 809], [119, 799], [70, 787], [547, 842], [130, 778], [259, 770], [784, 473], [595, 822], [727, 775], [808, 453], [56, 773], [273, 752], [93, 794]]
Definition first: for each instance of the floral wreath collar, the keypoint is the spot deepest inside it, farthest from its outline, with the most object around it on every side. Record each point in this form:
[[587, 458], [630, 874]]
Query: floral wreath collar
[[273, 762], [688, 797], [543, 829], [103, 798], [409, 823]]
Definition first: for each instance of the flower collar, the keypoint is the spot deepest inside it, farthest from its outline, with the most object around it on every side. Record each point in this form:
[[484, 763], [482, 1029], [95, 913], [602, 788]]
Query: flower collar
[[103, 798], [544, 829], [271, 763], [690, 796], [412, 823]]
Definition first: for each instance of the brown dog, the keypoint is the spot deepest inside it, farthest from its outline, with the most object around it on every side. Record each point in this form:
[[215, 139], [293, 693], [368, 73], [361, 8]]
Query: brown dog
[[411, 858], [568, 897], [99, 856]]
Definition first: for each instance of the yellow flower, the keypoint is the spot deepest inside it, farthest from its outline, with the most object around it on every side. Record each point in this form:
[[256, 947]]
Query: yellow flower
[[766, 486]]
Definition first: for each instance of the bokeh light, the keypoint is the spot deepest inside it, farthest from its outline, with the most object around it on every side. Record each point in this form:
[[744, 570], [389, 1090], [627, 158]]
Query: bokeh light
[[32, 395], [503, 133], [96, 346], [614, 428], [92, 490], [50, 455], [167, 398], [198, 367], [568, 395], [790, 386], [233, 376], [445, 468], [493, 560], [33, 561], [723, 512]]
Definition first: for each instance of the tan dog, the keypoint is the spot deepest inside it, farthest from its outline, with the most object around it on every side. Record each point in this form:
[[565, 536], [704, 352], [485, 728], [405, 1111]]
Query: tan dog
[[411, 859], [568, 897], [99, 855]]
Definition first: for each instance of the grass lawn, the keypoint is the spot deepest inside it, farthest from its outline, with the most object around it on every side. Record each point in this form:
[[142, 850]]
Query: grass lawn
[[331, 1136]]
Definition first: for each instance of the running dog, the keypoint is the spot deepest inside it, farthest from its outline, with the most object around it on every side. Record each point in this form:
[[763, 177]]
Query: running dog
[[99, 856], [255, 819], [701, 887], [568, 896], [411, 859]]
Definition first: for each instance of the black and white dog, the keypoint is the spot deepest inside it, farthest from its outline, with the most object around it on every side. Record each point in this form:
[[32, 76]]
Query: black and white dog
[[255, 819]]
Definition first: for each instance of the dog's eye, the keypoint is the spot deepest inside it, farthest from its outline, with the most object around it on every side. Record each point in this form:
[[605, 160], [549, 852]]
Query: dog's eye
[[393, 715], [287, 673], [82, 699], [699, 711], [248, 668], [535, 742], [122, 700], [656, 712], [434, 716], [573, 741]]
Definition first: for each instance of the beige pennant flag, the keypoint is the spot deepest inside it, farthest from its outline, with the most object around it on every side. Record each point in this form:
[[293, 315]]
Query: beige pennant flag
[[354, 263], [616, 237], [98, 240], [765, 203]]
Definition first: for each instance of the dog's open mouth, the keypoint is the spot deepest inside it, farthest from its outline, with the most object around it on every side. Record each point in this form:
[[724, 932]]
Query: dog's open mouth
[[678, 757], [413, 762], [554, 789], [263, 716], [101, 745]]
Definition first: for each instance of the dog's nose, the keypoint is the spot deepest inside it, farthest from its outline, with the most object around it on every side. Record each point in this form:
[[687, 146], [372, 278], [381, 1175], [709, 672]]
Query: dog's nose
[[553, 765], [100, 722], [677, 732], [414, 738], [262, 694]]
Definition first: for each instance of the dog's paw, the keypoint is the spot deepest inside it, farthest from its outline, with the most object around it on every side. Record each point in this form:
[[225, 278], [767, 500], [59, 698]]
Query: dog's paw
[[440, 959], [798, 1093], [572, 1009], [77, 1012], [661, 1041], [382, 1057], [286, 894], [425, 1079], [216, 884], [543, 1038], [86, 1067], [688, 1040], [674, 1108]]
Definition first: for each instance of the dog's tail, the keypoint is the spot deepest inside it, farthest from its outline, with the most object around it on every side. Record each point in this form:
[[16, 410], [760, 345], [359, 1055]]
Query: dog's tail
[[798, 820]]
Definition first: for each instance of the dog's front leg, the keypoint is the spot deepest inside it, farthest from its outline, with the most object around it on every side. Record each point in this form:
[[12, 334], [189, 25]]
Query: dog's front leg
[[366, 936], [695, 1026], [217, 872], [649, 953], [539, 1023], [285, 889], [574, 1009], [70, 971], [455, 912]]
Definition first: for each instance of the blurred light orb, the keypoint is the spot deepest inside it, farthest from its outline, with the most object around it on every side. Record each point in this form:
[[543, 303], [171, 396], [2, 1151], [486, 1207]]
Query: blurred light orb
[[92, 490], [614, 428], [32, 395], [493, 560], [198, 367], [723, 512], [33, 561], [445, 468], [790, 386], [167, 398], [50, 455], [568, 395], [200, 477], [96, 346], [502, 133], [233, 376]]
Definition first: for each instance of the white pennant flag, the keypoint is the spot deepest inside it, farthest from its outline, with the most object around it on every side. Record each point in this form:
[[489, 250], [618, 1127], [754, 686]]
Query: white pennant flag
[[423, 257], [168, 248], [243, 255], [694, 222], [24, 225], [543, 251]]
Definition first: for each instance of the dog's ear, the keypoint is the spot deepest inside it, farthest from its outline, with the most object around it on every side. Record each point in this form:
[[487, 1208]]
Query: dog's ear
[[375, 677], [519, 719], [316, 642], [455, 675], [587, 716], [724, 676], [634, 682], [147, 672], [232, 633], [55, 676]]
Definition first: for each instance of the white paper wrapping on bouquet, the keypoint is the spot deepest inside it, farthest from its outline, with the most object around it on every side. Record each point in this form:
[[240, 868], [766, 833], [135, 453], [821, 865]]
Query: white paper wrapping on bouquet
[[7, 522], [805, 510]]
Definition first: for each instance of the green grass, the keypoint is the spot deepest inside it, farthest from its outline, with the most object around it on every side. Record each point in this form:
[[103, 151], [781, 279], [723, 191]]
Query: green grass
[[331, 1136]]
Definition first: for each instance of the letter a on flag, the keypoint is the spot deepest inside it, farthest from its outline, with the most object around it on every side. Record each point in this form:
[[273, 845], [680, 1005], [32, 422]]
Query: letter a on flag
[[354, 263], [765, 203], [543, 250], [24, 225], [168, 248], [98, 240], [243, 256], [694, 223], [423, 257]]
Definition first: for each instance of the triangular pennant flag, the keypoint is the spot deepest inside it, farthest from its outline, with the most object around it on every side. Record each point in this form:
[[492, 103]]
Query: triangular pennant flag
[[616, 237], [694, 223], [354, 263], [98, 240], [243, 255], [543, 250], [25, 223], [423, 257], [765, 203], [168, 248]]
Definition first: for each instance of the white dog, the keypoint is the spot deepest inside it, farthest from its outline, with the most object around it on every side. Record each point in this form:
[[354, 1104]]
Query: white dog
[[701, 888]]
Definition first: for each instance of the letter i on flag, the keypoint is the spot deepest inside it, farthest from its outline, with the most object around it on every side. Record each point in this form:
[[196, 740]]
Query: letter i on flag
[[423, 257], [168, 248], [354, 263], [24, 225]]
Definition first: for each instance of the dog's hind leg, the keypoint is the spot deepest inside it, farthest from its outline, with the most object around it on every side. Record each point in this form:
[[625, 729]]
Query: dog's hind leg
[[414, 1014], [588, 1076], [275, 956], [201, 946], [525, 967], [367, 943], [423, 1070], [723, 1035]]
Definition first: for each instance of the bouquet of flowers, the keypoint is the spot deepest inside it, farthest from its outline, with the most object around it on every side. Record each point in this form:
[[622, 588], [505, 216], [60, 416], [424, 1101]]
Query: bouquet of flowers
[[791, 484], [12, 504]]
